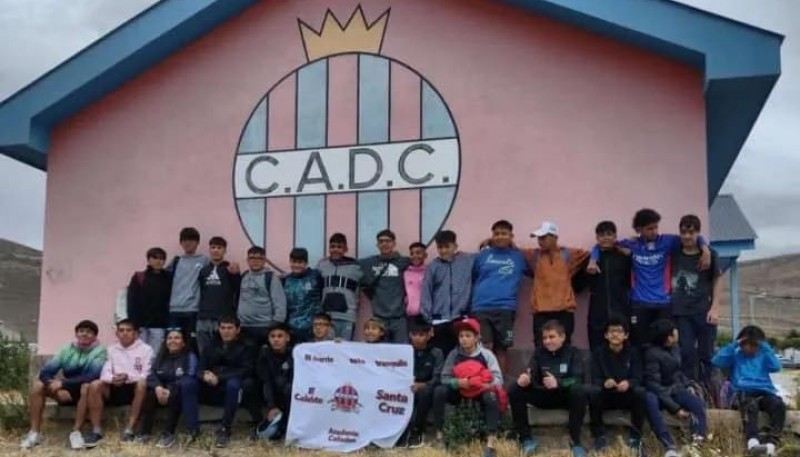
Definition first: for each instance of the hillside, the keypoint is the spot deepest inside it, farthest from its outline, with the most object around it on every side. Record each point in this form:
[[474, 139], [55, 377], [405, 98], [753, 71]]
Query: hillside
[[20, 269]]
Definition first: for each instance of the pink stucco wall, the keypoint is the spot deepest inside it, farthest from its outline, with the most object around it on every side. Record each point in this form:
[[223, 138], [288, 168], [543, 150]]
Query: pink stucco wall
[[554, 124]]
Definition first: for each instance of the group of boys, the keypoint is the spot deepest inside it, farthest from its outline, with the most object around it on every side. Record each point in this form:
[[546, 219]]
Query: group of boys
[[644, 292]]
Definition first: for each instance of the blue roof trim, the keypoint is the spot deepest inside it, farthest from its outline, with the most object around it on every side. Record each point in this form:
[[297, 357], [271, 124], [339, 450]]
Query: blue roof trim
[[741, 64]]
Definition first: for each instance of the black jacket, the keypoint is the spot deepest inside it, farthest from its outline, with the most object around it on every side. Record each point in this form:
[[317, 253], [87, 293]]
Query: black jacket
[[168, 369], [610, 289], [428, 365], [623, 366], [148, 298], [663, 375], [276, 372], [219, 291], [565, 364], [228, 360]]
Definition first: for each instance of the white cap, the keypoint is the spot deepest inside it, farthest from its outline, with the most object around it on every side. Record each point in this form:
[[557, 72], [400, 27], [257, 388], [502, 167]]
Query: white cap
[[547, 228]]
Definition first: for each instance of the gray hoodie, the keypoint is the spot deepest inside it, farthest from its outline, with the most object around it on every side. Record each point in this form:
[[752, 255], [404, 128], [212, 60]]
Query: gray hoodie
[[185, 297], [341, 279], [481, 354], [384, 284], [259, 307]]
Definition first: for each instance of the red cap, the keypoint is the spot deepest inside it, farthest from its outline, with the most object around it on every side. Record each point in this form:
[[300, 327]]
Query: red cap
[[468, 324]]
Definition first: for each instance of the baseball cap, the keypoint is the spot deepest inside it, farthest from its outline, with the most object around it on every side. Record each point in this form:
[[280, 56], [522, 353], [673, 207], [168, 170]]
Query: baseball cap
[[468, 324], [547, 228]]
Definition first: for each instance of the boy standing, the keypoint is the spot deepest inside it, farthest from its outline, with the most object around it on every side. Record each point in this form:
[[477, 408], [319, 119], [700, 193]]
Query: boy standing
[[668, 387], [341, 276], [695, 302], [553, 380], [650, 290], [617, 383], [383, 285], [275, 369], [185, 294], [553, 267], [446, 290], [303, 288], [148, 299], [413, 278], [262, 301], [219, 287], [497, 273], [750, 360], [609, 290], [123, 381], [79, 363], [484, 389], [428, 363], [374, 330]]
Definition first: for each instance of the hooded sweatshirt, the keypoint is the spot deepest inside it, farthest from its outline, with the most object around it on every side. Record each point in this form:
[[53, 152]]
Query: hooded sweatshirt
[[749, 374], [383, 283], [219, 290], [276, 372], [480, 354], [133, 361], [663, 375], [260, 306], [447, 288], [148, 298], [413, 277], [341, 279], [303, 298], [78, 365], [496, 274], [185, 294]]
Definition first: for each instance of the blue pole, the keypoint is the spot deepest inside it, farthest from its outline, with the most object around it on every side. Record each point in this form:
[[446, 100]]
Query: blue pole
[[734, 296]]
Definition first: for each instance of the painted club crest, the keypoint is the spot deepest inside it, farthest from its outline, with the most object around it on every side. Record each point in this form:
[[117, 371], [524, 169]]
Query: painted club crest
[[345, 399], [352, 141]]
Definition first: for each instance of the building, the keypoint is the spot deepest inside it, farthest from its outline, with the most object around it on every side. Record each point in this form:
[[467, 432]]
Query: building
[[279, 123]]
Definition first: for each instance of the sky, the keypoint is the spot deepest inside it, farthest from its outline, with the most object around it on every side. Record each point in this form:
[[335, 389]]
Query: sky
[[36, 35]]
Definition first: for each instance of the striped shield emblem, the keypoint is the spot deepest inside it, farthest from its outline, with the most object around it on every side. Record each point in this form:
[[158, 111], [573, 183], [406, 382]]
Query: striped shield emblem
[[352, 143]]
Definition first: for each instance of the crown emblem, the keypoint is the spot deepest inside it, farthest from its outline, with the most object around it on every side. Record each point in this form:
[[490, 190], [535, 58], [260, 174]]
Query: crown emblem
[[333, 38]]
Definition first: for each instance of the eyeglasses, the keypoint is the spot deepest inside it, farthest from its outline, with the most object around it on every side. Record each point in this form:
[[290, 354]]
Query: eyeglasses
[[253, 257]]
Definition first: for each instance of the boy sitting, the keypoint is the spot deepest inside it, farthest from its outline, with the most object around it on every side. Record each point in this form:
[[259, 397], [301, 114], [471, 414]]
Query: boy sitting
[[554, 380], [123, 381], [428, 362], [668, 386], [750, 360], [617, 381], [480, 388], [321, 327], [275, 369], [80, 363], [374, 330]]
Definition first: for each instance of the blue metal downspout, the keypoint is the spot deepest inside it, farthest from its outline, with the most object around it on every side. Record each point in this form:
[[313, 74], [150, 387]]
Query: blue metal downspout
[[735, 308]]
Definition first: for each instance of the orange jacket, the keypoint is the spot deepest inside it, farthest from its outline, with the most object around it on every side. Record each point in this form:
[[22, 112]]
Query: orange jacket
[[552, 277]]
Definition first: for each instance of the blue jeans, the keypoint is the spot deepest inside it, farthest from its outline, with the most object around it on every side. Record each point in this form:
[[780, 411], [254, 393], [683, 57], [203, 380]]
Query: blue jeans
[[688, 402], [226, 394], [697, 347], [153, 337], [344, 329]]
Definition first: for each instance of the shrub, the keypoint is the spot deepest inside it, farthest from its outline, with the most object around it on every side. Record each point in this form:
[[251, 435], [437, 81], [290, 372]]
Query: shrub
[[15, 359], [462, 425]]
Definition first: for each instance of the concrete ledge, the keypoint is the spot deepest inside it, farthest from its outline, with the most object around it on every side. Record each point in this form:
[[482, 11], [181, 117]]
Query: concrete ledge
[[53, 411]]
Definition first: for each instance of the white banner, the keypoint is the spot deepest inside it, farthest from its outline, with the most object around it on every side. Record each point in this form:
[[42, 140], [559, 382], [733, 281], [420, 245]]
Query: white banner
[[348, 395]]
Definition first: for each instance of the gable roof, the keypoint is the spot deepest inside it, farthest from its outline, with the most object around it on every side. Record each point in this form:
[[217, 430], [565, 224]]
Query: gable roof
[[741, 64], [728, 222]]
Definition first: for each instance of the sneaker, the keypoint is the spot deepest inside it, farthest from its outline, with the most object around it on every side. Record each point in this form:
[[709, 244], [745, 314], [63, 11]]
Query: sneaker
[[578, 451], [142, 439], [489, 452], [166, 440], [528, 447], [754, 447], [771, 449], [92, 440], [31, 440], [671, 453], [635, 445], [76, 440], [601, 443], [223, 438], [127, 437], [415, 440]]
